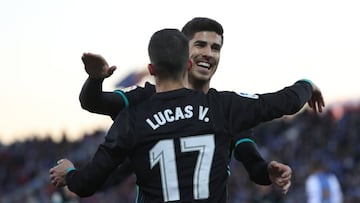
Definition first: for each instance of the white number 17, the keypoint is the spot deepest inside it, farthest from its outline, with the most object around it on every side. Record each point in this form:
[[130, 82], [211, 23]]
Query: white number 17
[[163, 153]]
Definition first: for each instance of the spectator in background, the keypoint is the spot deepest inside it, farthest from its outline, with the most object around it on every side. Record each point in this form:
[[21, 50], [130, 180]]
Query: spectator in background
[[322, 186]]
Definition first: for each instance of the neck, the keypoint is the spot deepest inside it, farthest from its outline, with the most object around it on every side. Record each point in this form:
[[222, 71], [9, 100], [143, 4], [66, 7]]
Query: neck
[[168, 85], [200, 86]]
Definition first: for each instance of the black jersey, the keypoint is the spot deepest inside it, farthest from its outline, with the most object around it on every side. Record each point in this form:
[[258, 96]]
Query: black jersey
[[188, 116], [178, 144], [241, 112]]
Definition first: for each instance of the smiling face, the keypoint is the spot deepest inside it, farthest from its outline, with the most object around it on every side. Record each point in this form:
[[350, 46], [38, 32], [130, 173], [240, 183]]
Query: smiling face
[[204, 50]]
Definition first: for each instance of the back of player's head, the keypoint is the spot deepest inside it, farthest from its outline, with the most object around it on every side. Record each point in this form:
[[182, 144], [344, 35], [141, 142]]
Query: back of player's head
[[200, 24], [169, 53]]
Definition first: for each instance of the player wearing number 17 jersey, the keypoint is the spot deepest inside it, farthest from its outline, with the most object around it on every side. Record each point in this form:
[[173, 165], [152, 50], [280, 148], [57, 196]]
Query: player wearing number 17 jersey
[[178, 140]]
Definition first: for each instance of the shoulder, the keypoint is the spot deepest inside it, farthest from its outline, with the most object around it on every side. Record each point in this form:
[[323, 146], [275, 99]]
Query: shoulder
[[231, 95], [247, 95], [135, 88], [148, 85]]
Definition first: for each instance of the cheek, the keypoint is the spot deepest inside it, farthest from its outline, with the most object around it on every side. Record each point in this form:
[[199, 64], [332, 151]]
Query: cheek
[[217, 58], [194, 51], [193, 54]]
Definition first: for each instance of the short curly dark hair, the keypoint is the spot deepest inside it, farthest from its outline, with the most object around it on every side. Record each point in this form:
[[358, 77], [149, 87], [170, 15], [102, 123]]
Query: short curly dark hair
[[199, 24]]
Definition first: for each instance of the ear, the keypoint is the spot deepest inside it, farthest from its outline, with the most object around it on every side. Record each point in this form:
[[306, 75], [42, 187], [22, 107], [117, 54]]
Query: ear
[[151, 69], [189, 65]]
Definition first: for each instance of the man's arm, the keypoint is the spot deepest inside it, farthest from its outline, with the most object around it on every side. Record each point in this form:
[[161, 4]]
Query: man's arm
[[85, 181], [92, 97], [112, 152], [89, 179], [247, 153], [294, 97], [260, 171], [122, 172], [248, 111], [94, 100]]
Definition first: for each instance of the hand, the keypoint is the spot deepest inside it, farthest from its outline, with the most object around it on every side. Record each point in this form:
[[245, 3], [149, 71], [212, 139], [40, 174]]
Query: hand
[[96, 66], [280, 175], [316, 101], [58, 172]]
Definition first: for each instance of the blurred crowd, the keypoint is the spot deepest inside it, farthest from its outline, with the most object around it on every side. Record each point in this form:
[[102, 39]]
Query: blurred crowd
[[333, 136]]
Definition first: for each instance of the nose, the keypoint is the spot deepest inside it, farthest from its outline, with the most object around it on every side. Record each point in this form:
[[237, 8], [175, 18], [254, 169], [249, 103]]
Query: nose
[[207, 51]]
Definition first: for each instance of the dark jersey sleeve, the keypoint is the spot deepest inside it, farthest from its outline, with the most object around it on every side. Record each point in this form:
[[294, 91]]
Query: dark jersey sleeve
[[112, 152], [249, 111], [245, 151], [139, 94], [93, 99], [86, 181], [122, 172]]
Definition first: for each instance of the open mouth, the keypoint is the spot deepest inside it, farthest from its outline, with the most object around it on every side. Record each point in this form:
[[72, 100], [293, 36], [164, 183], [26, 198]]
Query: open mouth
[[203, 65]]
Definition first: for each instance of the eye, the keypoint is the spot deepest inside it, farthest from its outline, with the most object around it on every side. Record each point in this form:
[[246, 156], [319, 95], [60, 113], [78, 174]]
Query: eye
[[200, 44], [216, 47]]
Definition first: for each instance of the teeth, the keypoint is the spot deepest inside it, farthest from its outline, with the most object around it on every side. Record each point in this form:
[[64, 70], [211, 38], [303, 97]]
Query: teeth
[[204, 64]]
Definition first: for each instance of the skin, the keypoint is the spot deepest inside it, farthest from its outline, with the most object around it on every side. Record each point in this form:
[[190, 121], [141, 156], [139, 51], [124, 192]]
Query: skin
[[204, 50], [280, 175]]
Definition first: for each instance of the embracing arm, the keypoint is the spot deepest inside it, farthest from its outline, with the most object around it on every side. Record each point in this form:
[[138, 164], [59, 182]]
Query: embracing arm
[[122, 172], [292, 99], [87, 180], [248, 111], [113, 151], [260, 171], [92, 97], [247, 153]]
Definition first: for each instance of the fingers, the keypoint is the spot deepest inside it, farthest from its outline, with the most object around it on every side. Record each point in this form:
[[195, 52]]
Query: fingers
[[321, 103], [316, 104], [317, 100], [277, 167], [286, 188], [54, 179], [60, 161], [273, 165], [280, 174], [111, 70], [96, 66], [58, 172], [282, 181], [57, 182], [283, 184], [286, 175]]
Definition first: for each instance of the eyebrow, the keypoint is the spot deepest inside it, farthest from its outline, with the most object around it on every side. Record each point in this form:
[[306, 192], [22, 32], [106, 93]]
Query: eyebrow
[[206, 42]]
